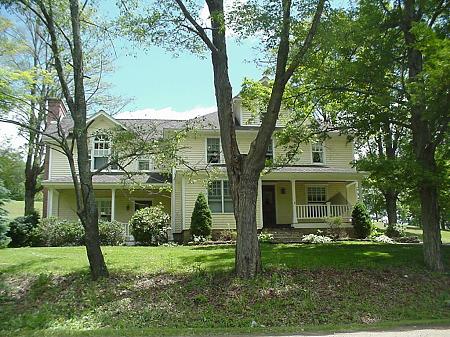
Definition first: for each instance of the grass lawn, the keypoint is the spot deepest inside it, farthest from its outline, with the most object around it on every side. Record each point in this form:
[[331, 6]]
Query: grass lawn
[[15, 208], [191, 290]]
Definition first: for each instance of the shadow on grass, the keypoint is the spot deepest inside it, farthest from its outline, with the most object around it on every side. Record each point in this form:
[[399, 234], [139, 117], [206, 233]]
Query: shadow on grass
[[336, 255]]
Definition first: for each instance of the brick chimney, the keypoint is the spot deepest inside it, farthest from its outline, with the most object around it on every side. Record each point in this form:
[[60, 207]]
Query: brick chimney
[[56, 109]]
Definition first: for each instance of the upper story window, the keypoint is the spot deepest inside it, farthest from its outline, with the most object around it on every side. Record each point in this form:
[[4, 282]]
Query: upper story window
[[219, 197], [144, 164], [213, 150], [100, 152], [317, 194], [317, 153], [269, 153]]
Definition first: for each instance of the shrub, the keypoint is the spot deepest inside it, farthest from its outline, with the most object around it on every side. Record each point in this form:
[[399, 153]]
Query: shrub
[[149, 225], [4, 240], [227, 235], [201, 220], [361, 221], [313, 238], [56, 232], [21, 229], [111, 233], [395, 231], [335, 227]]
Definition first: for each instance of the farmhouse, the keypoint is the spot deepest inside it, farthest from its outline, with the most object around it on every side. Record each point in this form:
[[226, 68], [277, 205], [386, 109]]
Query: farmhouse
[[318, 183]]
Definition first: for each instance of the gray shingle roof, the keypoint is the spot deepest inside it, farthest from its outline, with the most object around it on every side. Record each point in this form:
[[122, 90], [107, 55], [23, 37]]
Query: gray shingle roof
[[120, 178]]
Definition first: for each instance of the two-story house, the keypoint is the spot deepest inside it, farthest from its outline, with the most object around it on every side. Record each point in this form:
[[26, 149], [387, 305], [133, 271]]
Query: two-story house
[[320, 183]]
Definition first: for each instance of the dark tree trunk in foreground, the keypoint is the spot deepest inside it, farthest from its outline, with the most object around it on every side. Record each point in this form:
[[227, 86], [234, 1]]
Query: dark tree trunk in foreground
[[76, 102], [244, 169], [390, 198], [424, 148]]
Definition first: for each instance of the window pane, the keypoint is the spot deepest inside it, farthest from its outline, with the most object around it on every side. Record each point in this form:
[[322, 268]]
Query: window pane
[[104, 209], [269, 153], [215, 196], [316, 194], [213, 150], [227, 200], [144, 165], [100, 161], [317, 153]]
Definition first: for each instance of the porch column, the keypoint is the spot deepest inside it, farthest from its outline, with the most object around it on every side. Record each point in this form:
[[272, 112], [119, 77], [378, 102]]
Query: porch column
[[294, 203], [113, 204], [50, 203]]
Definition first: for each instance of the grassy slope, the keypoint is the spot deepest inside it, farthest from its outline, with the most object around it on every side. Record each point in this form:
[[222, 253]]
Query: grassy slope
[[173, 290], [15, 208]]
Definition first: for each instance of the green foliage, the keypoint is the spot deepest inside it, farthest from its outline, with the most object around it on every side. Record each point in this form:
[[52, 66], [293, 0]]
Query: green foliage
[[227, 235], [4, 239], [112, 233], [361, 222], [150, 225], [54, 232], [395, 231], [12, 168], [201, 219], [265, 237], [21, 230], [335, 227]]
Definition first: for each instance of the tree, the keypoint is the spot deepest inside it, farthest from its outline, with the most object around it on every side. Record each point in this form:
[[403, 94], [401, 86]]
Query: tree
[[201, 220], [177, 24], [4, 239], [426, 44], [361, 222], [11, 167]]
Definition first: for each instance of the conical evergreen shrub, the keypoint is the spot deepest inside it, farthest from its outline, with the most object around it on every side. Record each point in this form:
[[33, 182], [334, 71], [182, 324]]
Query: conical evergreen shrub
[[201, 220], [361, 221]]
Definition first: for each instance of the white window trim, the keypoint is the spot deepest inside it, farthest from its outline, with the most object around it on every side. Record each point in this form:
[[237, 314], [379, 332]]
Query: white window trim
[[220, 150], [92, 148], [323, 151], [316, 185], [150, 162], [222, 198], [104, 199], [273, 149], [141, 199]]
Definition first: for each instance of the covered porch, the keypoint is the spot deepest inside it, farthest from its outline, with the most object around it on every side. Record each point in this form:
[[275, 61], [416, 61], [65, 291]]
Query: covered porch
[[307, 203]]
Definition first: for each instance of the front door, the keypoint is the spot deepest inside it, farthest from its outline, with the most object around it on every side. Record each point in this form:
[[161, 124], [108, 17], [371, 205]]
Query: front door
[[268, 200]]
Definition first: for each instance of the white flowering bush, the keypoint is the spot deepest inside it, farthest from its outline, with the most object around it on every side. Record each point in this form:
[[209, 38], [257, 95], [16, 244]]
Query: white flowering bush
[[313, 238], [265, 237], [198, 239], [383, 239]]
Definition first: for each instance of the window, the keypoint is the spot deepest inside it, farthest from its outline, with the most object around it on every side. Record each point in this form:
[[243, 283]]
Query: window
[[144, 164], [269, 153], [219, 197], [213, 150], [316, 194], [139, 204], [101, 151], [104, 209], [317, 153]]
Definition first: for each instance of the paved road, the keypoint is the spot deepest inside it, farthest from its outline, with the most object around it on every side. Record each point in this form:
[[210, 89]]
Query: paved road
[[438, 332]]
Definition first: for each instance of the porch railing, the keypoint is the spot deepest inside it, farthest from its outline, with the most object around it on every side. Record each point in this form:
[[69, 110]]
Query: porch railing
[[322, 211]]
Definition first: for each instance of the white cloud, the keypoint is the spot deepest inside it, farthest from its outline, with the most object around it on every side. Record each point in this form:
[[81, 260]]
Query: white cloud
[[166, 113], [205, 19]]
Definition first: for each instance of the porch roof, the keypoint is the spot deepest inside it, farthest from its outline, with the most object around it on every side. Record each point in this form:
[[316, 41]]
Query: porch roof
[[116, 179]]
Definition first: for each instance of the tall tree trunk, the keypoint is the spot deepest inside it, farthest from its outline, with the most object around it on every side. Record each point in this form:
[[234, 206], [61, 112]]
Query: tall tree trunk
[[30, 194], [88, 212], [248, 255], [390, 198], [424, 148]]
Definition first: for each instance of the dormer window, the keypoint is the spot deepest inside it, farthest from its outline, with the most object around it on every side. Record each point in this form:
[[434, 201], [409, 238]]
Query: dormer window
[[144, 164], [317, 153], [101, 151], [269, 153], [213, 150]]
